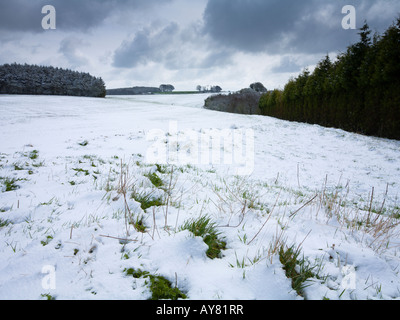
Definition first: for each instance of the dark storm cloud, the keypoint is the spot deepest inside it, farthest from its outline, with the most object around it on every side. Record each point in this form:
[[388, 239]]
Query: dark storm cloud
[[291, 26], [249, 25], [146, 45], [284, 27], [172, 45], [26, 15]]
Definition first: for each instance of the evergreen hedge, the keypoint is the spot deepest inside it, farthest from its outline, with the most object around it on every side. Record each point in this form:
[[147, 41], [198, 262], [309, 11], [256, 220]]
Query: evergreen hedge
[[359, 92]]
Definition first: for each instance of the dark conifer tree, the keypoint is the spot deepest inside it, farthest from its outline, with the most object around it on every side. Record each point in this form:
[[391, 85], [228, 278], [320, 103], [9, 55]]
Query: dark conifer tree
[[359, 92], [40, 80]]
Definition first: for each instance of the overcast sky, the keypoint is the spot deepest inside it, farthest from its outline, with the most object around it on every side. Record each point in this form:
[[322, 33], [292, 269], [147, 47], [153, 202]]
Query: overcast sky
[[230, 43]]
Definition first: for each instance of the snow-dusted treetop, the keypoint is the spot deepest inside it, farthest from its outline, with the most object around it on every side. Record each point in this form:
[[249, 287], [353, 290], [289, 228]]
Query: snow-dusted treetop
[[42, 80]]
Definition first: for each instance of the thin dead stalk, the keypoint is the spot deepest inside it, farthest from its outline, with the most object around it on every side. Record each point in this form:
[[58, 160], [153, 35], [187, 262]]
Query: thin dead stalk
[[266, 221], [154, 224], [278, 241], [305, 205], [169, 190], [242, 216], [116, 238], [298, 175], [370, 207], [123, 189]]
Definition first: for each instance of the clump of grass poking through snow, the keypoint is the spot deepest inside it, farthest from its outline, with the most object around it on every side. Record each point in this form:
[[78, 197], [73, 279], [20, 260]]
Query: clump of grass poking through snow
[[298, 270], [203, 227], [139, 225], [147, 200], [9, 184], [83, 143], [4, 223], [33, 155], [160, 287], [155, 180]]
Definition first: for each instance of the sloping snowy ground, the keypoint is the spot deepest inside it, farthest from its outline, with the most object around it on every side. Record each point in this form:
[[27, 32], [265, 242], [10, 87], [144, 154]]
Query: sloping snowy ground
[[63, 231]]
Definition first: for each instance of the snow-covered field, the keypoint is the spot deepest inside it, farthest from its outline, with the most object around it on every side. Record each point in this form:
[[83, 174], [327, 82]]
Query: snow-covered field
[[64, 220]]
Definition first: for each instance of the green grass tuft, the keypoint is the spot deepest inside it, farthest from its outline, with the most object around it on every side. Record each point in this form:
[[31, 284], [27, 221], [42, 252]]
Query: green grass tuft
[[4, 223], [33, 155], [203, 227], [83, 143], [160, 287], [80, 170], [139, 225], [47, 241], [147, 200], [298, 270], [155, 180], [9, 184]]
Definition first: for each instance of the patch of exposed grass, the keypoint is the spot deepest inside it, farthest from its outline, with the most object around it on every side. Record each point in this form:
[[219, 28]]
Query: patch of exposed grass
[[155, 180], [33, 155], [147, 200], [139, 225], [47, 241], [10, 184], [48, 296], [18, 167], [162, 168], [297, 269], [4, 223], [160, 287], [203, 227], [38, 165], [80, 170], [83, 143]]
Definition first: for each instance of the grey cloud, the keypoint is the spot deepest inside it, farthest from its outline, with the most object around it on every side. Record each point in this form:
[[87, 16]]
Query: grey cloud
[[146, 45], [20, 15], [132, 53], [69, 47], [173, 46], [291, 26], [249, 25], [26, 15], [217, 58], [287, 65]]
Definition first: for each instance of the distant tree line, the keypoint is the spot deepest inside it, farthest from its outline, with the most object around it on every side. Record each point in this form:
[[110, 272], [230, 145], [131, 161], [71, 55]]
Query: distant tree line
[[133, 91], [359, 92], [141, 90], [42, 80], [214, 89]]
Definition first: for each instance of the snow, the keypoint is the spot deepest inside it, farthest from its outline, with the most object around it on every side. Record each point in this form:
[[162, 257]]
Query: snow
[[67, 216]]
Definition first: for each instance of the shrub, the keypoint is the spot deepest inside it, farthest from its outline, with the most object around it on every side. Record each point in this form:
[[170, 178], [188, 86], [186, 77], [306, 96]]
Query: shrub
[[245, 101]]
